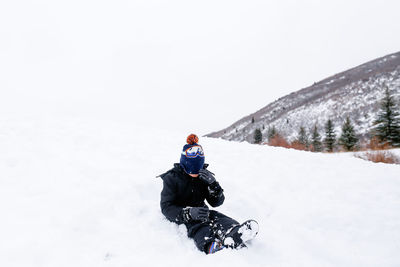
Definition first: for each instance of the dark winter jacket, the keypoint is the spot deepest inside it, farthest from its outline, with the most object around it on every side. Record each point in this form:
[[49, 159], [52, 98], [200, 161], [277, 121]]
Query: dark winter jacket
[[180, 190]]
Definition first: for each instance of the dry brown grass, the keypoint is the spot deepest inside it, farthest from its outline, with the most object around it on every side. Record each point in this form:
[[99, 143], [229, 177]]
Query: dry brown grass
[[278, 140], [297, 145], [377, 152], [380, 156], [375, 144]]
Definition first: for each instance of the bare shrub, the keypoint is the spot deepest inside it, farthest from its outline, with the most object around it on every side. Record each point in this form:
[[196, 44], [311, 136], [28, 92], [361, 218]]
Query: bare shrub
[[375, 144], [380, 156], [297, 145], [278, 140]]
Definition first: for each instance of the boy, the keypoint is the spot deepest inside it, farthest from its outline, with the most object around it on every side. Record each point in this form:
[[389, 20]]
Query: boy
[[185, 187]]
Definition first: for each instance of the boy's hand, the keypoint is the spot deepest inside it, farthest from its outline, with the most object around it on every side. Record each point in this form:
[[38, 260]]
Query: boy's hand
[[196, 214], [207, 176]]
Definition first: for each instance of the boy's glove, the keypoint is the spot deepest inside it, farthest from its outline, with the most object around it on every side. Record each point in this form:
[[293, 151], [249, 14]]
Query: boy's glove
[[207, 176], [196, 214], [215, 189]]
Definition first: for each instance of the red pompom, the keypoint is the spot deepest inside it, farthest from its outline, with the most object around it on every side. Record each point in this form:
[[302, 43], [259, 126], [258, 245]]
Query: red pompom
[[192, 139]]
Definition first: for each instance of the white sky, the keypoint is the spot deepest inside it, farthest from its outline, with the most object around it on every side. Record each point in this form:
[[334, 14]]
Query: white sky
[[191, 66]]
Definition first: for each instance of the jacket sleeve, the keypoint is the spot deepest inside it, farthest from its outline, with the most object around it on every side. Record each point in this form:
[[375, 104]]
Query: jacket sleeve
[[171, 211], [215, 196]]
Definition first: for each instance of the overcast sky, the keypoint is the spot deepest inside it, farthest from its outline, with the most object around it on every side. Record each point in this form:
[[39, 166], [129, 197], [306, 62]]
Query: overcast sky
[[191, 66]]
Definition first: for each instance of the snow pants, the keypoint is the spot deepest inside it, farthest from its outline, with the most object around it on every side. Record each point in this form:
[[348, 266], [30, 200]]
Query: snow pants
[[204, 233]]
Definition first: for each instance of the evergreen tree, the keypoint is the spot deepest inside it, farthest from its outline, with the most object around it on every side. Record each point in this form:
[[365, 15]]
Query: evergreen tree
[[387, 125], [257, 136], [271, 133], [303, 138], [316, 140], [330, 136], [252, 120], [348, 138]]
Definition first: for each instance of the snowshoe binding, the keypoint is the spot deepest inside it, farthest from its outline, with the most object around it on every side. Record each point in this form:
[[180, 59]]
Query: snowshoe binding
[[239, 235]]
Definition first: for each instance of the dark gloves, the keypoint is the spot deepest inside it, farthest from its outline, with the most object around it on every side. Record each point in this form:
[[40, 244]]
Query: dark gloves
[[215, 190], [195, 214], [207, 176]]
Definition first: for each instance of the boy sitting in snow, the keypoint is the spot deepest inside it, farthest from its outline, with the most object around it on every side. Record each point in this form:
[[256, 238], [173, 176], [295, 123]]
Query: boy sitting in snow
[[185, 187]]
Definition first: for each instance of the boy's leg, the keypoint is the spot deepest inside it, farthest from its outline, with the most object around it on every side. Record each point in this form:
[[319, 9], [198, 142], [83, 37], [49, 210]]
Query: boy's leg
[[201, 233], [221, 222], [204, 233]]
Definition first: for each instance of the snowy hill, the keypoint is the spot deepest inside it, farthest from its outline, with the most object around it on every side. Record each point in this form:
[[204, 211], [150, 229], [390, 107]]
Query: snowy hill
[[352, 93], [84, 193]]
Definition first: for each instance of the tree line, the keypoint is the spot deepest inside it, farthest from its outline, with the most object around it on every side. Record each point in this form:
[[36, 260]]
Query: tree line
[[384, 132]]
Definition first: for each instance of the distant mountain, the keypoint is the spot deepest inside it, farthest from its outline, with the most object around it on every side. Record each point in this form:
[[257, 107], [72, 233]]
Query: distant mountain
[[352, 93]]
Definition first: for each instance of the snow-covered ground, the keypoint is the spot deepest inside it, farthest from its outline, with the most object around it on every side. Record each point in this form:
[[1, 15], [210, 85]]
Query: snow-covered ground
[[84, 193]]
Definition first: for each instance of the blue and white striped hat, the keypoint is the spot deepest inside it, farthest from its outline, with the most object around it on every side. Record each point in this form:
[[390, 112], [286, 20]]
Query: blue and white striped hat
[[192, 156]]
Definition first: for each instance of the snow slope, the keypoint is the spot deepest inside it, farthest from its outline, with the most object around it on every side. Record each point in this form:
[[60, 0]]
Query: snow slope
[[84, 193], [355, 93]]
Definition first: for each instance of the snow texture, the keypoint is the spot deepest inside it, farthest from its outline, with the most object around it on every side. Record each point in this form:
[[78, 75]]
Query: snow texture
[[84, 193]]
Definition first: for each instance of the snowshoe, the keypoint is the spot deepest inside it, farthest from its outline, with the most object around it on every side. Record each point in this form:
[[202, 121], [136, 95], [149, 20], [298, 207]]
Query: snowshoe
[[239, 235]]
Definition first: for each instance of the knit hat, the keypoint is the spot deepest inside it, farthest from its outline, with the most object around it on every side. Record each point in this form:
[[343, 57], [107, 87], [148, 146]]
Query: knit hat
[[192, 156]]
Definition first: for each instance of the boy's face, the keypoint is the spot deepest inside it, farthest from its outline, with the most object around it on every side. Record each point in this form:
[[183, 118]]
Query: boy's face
[[194, 175]]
